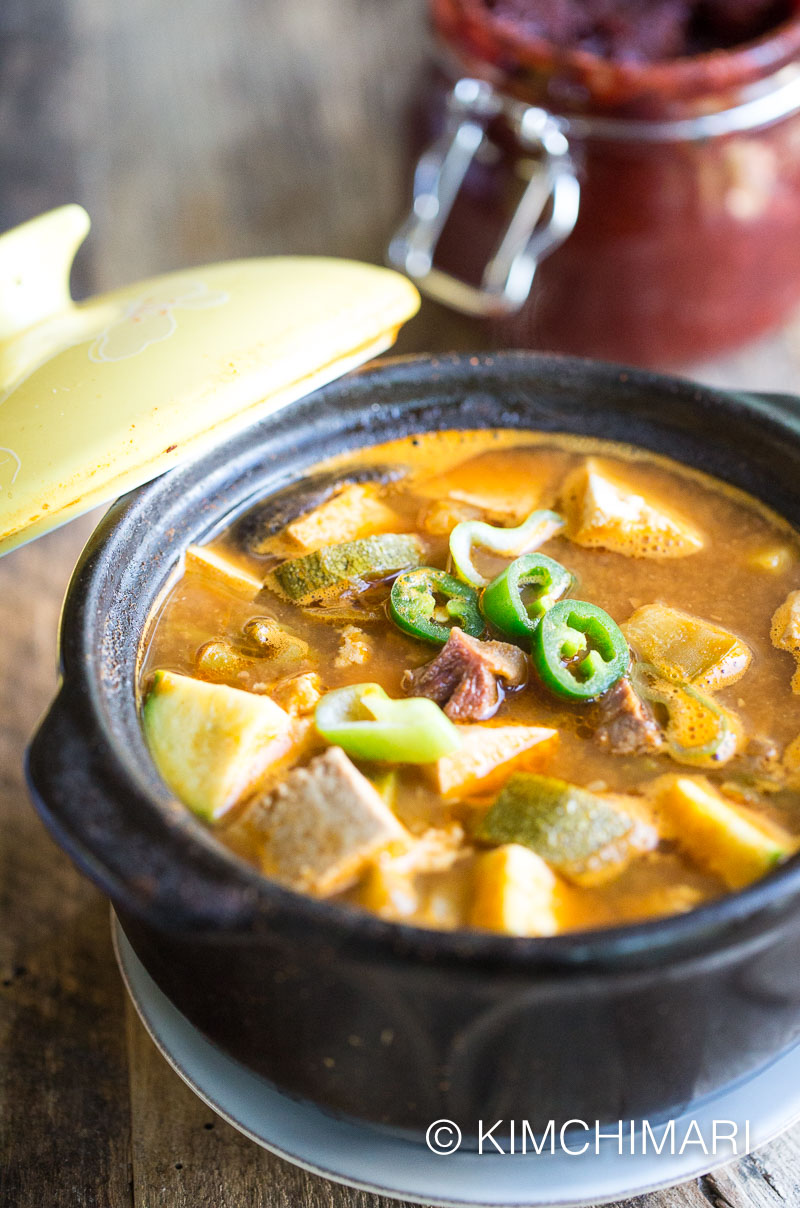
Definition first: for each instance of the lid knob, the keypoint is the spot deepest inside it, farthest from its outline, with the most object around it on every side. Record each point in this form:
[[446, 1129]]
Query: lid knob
[[35, 263]]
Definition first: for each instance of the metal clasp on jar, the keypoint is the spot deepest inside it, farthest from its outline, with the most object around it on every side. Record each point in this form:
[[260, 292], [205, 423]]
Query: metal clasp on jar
[[545, 215]]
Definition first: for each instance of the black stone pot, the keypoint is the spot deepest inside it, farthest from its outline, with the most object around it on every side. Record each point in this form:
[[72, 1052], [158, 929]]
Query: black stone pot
[[390, 1023]]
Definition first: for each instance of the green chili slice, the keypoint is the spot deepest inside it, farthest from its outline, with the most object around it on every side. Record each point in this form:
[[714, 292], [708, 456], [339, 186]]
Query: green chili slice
[[539, 527], [415, 608], [699, 732], [368, 724], [578, 650], [542, 579]]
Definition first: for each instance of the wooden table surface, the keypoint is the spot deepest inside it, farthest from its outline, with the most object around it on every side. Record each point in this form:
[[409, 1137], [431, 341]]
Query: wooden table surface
[[193, 130]]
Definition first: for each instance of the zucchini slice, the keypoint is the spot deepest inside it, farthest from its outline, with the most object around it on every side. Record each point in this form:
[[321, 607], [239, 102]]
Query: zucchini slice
[[327, 571], [686, 648], [726, 840], [586, 837]]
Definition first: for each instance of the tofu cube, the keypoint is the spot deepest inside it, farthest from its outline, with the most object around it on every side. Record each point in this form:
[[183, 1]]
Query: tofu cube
[[323, 825], [503, 490], [604, 512], [202, 560], [355, 511], [388, 892]]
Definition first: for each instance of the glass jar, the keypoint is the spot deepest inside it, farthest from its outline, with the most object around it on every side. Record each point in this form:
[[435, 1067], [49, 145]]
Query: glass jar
[[642, 212]]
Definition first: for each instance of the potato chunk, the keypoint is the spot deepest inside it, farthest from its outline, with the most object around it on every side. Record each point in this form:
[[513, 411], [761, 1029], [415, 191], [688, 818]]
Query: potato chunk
[[604, 512], [212, 743], [219, 568], [686, 648], [785, 631], [322, 826], [354, 511], [514, 892], [724, 839], [488, 755]]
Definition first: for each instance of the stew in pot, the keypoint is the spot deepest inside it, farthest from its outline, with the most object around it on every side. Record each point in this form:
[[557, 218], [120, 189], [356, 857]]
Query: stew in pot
[[490, 679]]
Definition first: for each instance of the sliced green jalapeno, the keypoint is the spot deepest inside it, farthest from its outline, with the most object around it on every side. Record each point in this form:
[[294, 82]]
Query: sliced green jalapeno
[[414, 607], [578, 650], [539, 527], [503, 602], [368, 724]]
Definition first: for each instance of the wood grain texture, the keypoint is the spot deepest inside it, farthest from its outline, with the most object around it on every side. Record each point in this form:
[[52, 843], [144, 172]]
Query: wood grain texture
[[64, 1114], [194, 130], [184, 1155]]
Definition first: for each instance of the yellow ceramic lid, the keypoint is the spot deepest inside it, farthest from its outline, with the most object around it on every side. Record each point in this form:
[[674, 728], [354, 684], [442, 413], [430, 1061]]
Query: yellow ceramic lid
[[100, 396]]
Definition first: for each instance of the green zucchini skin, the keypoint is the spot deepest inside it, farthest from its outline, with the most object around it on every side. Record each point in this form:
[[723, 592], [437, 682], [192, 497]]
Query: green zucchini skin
[[567, 826], [314, 576]]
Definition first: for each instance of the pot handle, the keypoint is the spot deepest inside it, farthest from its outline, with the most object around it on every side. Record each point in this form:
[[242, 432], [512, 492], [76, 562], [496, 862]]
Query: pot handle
[[156, 864]]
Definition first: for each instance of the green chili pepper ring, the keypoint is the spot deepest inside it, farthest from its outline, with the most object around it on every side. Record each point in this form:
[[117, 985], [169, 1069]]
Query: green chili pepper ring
[[563, 633], [502, 602], [412, 604]]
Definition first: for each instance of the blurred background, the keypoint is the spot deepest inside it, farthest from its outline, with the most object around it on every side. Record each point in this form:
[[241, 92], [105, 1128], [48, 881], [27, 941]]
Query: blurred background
[[198, 130]]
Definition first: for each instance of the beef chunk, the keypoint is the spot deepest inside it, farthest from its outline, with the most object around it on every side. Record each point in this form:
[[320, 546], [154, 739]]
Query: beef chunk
[[464, 676], [625, 724]]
